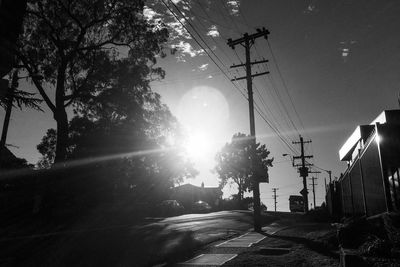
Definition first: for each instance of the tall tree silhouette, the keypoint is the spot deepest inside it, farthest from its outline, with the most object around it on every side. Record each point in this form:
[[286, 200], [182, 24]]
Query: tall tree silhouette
[[234, 163], [68, 47], [123, 133]]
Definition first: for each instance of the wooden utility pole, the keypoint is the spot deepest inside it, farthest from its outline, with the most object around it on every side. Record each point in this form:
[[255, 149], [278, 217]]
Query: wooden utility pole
[[313, 184], [303, 170], [247, 41], [274, 190]]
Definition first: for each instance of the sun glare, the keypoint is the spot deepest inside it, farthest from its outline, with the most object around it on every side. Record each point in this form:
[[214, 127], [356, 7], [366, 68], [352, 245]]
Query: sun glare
[[198, 146], [204, 114]]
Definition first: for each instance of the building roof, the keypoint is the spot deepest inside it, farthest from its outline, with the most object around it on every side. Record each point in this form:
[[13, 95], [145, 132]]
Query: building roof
[[363, 132], [388, 116], [188, 187]]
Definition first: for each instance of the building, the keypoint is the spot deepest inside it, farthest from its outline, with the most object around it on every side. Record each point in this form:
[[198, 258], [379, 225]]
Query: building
[[188, 194], [370, 184]]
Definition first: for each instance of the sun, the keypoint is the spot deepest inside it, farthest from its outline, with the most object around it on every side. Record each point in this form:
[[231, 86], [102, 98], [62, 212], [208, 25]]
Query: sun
[[198, 145]]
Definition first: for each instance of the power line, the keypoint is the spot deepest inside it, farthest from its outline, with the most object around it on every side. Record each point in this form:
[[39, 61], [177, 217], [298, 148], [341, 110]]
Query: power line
[[284, 84], [257, 108], [194, 38]]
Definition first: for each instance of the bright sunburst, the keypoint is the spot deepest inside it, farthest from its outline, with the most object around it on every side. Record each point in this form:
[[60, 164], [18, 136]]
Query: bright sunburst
[[204, 113], [198, 146]]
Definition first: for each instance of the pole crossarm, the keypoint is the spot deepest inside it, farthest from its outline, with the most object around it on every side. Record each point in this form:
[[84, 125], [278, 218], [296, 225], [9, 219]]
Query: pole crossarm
[[245, 77], [300, 165], [306, 157], [251, 63], [260, 32], [304, 142]]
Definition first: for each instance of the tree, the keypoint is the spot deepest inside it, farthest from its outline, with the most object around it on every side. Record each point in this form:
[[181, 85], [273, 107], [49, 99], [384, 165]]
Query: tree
[[234, 163], [47, 148], [70, 46], [121, 140]]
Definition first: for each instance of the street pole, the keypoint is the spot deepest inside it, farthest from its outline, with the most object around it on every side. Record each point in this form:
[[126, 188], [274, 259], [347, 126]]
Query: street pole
[[274, 190], [248, 40], [303, 169], [313, 188]]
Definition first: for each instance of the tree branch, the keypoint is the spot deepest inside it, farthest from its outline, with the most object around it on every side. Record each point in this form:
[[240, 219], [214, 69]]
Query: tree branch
[[36, 81]]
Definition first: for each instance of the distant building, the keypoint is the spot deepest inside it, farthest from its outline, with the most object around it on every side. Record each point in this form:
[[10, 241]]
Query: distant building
[[188, 194], [370, 185]]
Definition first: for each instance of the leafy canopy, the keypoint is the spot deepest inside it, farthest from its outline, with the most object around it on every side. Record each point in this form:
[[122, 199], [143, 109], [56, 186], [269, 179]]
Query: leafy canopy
[[234, 163], [75, 47]]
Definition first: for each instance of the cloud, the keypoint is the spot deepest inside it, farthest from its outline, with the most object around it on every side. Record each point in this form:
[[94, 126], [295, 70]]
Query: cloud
[[203, 67], [213, 31], [234, 6], [312, 7], [149, 13], [186, 48], [178, 31]]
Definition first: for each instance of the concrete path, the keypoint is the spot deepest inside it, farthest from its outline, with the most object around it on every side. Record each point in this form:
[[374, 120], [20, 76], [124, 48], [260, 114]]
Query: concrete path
[[218, 259], [243, 241]]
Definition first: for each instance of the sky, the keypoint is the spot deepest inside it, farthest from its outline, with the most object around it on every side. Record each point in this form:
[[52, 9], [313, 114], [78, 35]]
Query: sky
[[333, 65]]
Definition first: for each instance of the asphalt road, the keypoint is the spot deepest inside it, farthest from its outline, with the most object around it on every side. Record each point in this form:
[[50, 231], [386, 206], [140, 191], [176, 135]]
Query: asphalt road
[[158, 240], [209, 227]]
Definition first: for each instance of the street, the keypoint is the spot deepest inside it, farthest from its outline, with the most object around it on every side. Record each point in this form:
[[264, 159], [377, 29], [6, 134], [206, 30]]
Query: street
[[210, 226], [155, 241]]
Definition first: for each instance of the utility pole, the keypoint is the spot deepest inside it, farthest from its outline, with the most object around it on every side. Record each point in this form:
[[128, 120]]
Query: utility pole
[[303, 170], [247, 41], [330, 176], [313, 188], [274, 190]]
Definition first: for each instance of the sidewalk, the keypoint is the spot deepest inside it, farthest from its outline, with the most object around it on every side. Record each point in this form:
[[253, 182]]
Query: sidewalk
[[277, 245]]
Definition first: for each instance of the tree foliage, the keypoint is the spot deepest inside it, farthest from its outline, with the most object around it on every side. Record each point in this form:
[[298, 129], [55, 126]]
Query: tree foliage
[[73, 47], [234, 163], [11, 95], [124, 134]]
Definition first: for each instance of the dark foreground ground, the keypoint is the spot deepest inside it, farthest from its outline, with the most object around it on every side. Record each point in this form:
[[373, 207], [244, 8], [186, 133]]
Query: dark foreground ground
[[306, 240], [290, 240], [107, 239], [103, 239]]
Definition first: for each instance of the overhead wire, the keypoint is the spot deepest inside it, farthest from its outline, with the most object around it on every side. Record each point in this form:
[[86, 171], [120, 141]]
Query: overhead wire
[[284, 84], [235, 25], [195, 39], [257, 108]]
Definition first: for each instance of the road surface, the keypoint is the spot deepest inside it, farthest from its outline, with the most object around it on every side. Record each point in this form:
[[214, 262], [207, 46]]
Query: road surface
[[156, 241], [208, 227]]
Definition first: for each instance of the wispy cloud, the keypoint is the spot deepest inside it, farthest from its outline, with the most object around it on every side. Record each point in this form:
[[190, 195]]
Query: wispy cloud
[[312, 7], [213, 31], [234, 6], [203, 67], [186, 48], [149, 13]]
